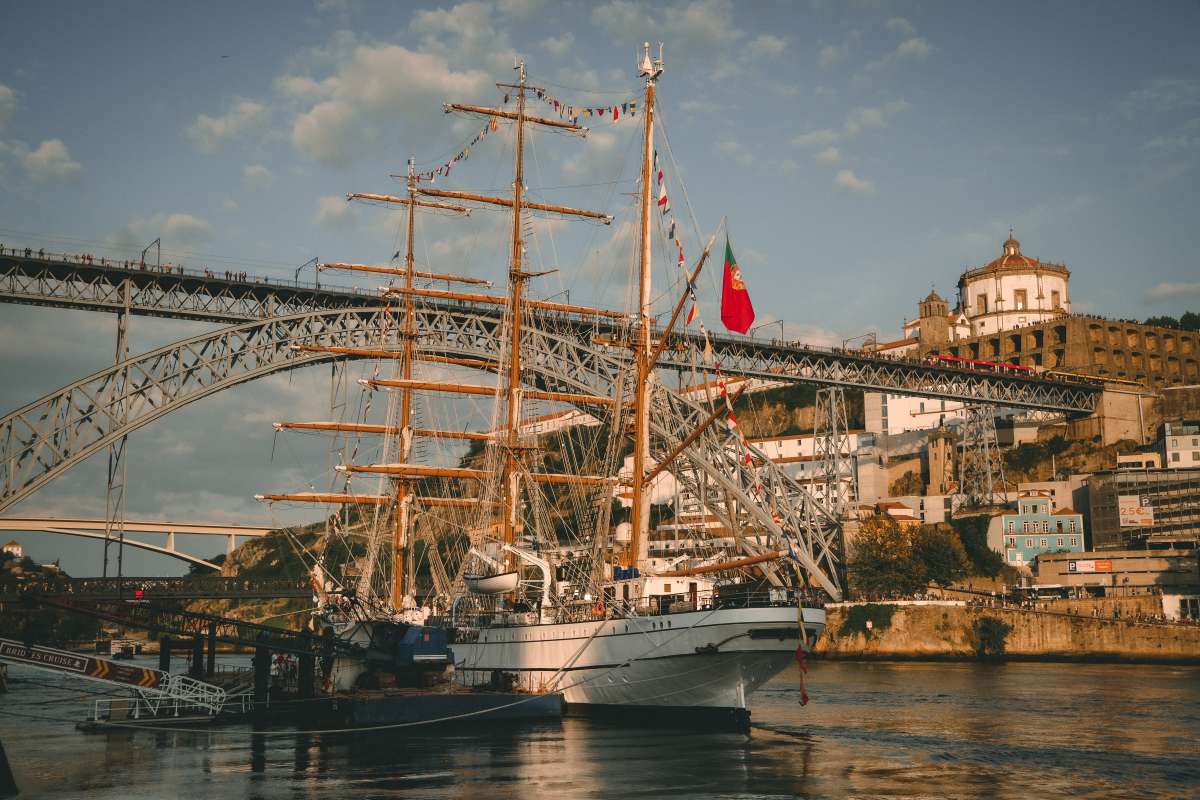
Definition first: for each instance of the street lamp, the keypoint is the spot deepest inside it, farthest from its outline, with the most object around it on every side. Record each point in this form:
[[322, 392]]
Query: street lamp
[[157, 245], [313, 263], [778, 322]]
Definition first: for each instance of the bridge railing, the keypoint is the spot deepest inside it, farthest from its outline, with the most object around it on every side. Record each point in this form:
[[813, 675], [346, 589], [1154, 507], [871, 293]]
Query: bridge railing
[[204, 273], [135, 588]]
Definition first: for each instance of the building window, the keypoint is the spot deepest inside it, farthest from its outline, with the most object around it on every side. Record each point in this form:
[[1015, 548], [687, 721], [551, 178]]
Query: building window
[[1021, 299], [1175, 456], [1071, 527], [1029, 542], [1060, 541], [1043, 543], [981, 304], [1059, 526], [1074, 541], [1054, 299], [1012, 541]]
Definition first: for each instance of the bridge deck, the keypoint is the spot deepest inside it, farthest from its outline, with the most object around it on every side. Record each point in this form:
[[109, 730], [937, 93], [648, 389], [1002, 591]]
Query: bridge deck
[[178, 293]]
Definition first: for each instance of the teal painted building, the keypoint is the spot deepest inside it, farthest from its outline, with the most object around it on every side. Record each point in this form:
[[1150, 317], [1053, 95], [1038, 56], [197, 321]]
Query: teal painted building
[[1037, 529]]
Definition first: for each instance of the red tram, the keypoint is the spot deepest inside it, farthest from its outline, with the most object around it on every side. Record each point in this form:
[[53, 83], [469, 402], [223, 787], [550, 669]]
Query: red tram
[[998, 367]]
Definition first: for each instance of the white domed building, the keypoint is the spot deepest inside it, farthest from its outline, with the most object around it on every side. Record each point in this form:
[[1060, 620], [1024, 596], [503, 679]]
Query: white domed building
[[1013, 291]]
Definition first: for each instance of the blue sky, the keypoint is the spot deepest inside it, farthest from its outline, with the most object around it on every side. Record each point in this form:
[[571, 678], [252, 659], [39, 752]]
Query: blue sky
[[861, 152]]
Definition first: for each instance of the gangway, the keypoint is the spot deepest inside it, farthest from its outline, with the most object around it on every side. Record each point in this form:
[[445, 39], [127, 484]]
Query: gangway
[[155, 693]]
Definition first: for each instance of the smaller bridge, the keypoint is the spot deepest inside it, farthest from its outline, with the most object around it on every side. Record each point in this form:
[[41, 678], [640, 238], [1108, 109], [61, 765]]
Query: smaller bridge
[[94, 529], [133, 589]]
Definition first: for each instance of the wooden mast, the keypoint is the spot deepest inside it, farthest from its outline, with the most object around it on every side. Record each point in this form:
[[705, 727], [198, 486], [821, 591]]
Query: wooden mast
[[639, 546], [516, 283]]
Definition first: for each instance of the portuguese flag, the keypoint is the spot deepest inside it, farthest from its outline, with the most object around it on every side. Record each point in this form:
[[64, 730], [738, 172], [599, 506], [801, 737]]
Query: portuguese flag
[[736, 310]]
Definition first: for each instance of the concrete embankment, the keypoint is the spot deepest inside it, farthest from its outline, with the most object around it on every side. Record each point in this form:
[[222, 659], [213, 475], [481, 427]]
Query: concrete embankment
[[955, 631]]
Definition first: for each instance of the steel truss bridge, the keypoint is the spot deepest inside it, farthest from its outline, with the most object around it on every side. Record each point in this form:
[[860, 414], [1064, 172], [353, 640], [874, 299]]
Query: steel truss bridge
[[45, 438]]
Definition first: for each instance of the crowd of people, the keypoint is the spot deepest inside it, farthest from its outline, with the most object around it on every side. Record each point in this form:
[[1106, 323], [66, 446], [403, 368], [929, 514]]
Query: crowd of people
[[90, 259]]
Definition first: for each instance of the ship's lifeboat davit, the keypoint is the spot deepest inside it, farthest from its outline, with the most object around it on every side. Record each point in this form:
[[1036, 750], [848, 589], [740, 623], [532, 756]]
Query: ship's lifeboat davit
[[492, 584]]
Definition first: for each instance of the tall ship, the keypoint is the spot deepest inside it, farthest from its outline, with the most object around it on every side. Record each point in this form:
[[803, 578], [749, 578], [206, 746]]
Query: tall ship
[[460, 508]]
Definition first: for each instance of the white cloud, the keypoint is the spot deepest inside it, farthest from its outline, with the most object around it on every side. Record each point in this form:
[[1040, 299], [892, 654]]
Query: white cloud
[[1162, 95], [766, 45], [858, 120], [832, 54], [8, 105], [333, 211], [559, 45], [380, 87], [1172, 291], [690, 27], [256, 176], [209, 134], [916, 48], [737, 151], [177, 230], [848, 180], [700, 106], [302, 87], [817, 138], [519, 8], [51, 161], [865, 117], [830, 155], [901, 26], [229, 204]]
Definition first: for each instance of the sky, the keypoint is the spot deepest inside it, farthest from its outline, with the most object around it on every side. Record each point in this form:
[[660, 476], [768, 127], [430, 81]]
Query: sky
[[859, 153]]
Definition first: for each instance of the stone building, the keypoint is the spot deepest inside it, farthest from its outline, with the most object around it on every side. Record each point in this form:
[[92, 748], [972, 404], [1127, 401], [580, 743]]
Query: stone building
[[1013, 291], [1017, 309], [1106, 348]]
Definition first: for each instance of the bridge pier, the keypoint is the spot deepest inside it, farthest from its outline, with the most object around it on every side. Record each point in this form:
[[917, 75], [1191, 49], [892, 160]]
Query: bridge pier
[[197, 666], [262, 677], [8, 784], [164, 654], [211, 666], [230, 544]]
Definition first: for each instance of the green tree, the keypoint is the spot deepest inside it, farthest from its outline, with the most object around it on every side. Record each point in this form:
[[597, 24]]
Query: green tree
[[1163, 322], [1056, 445], [1190, 321], [972, 532], [941, 552], [907, 484], [882, 563]]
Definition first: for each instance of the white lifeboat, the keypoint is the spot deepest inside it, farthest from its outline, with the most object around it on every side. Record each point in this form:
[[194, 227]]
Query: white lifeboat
[[492, 584]]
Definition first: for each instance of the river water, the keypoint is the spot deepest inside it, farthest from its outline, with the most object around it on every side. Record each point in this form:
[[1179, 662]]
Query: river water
[[871, 730]]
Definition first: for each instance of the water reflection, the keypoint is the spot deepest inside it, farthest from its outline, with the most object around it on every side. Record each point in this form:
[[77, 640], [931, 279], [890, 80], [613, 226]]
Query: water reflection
[[885, 730]]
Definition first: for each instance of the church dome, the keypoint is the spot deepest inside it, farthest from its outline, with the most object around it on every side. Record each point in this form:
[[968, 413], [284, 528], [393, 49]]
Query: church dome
[[1012, 258]]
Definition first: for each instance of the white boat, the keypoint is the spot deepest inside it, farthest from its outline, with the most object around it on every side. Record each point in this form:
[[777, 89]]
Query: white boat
[[493, 584], [711, 658], [533, 593]]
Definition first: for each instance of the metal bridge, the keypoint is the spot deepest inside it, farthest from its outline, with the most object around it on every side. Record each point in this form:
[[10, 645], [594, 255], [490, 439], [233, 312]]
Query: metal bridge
[[120, 287], [95, 529], [41, 440]]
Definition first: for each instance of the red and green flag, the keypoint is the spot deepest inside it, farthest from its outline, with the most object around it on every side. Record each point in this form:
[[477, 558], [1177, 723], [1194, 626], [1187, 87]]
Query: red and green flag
[[737, 312]]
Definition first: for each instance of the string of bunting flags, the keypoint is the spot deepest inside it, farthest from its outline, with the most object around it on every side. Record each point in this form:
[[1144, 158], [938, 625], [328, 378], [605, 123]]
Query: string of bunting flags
[[492, 125], [728, 301], [564, 111], [575, 113]]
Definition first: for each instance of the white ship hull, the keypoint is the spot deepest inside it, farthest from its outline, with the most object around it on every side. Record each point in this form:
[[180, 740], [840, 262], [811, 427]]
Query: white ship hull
[[696, 659]]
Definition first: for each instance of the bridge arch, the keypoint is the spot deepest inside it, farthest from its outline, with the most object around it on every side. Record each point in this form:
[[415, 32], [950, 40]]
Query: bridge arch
[[45, 438]]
